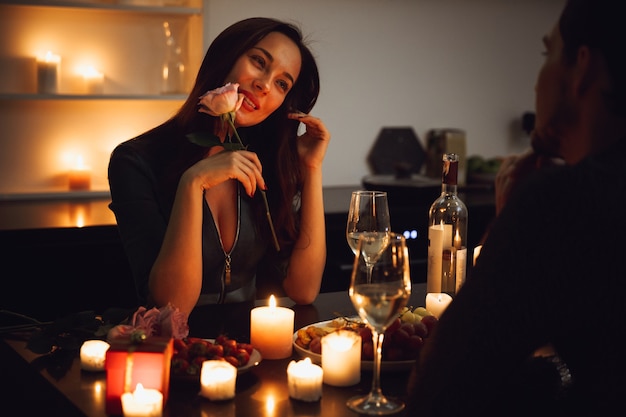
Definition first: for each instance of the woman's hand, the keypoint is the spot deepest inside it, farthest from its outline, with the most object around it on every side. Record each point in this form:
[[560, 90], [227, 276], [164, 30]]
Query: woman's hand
[[220, 166], [313, 143]]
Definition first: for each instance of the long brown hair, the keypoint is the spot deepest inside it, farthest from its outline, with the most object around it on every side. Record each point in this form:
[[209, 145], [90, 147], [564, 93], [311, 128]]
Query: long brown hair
[[272, 139]]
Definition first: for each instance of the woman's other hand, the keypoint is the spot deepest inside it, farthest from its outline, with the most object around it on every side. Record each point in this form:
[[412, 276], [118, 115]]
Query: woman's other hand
[[312, 144]]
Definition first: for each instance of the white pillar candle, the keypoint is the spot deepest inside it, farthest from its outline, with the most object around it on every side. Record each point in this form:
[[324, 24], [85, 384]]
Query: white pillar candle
[[143, 402], [48, 68], [218, 380], [271, 330], [435, 254], [93, 354], [304, 380], [341, 358], [436, 303]]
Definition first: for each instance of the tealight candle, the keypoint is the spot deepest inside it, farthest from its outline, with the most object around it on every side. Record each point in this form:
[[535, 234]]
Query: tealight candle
[[143, 402], [436, 303], [271, 330], [218, 380], [80, 176], [48, 73], [341, 358], [93, 354], [94, 81], [304, 380]]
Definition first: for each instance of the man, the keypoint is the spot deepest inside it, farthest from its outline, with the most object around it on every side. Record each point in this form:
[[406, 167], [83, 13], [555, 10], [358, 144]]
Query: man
[[551, 271]]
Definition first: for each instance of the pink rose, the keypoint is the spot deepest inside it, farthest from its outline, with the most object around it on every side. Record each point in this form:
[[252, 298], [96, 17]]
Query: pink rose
[[173, 323], [221, 101], [119, 332]]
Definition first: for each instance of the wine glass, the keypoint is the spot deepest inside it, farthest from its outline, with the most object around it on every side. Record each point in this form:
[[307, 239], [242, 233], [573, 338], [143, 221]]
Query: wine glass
[[379, 294], [368, 217]]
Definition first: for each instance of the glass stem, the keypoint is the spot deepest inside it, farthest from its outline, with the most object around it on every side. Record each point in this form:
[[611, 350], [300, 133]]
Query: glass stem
[[377, 340]]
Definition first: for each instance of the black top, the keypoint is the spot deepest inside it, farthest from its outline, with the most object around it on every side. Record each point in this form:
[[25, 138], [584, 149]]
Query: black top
[[551, 271], [143, 176]]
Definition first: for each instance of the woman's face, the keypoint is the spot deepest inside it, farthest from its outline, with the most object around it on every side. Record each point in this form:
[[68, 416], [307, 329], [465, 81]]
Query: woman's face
[[265, 73]]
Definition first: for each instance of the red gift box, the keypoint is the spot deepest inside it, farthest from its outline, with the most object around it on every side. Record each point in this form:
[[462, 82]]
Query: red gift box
[[128, 364]]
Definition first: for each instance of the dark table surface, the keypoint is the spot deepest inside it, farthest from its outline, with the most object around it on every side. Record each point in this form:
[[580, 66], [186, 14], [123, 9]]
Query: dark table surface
[[262, 391]]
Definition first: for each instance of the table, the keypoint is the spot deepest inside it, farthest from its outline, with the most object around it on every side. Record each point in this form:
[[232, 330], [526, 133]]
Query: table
[[262, 391]]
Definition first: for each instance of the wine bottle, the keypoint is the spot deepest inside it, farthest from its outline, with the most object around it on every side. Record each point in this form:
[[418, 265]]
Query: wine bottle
[[447, 234]]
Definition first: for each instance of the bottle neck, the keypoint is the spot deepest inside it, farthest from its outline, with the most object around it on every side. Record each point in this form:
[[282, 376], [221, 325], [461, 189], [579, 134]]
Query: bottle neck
[[449, 176], [448, 189]]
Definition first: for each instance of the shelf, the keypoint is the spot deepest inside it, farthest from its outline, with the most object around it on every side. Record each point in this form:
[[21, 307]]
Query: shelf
[[156, 9], [56, 195], [27, 96]]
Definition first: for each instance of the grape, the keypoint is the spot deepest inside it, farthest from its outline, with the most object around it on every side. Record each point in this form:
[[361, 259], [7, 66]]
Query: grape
[[430, 322], [420, 329]]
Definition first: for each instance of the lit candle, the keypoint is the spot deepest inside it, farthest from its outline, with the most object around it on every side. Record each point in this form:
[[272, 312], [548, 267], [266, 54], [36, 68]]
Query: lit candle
[[218, 380], [436, 303], [143, 402], [476, 253], [341, 358], [80, 176], [94, 81], [304, 380], [93, 354], [271, 330], [48, 73], [457, 240]]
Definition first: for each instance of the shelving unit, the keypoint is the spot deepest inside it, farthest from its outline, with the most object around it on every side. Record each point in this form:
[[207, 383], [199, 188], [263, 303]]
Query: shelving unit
[[41, 134]]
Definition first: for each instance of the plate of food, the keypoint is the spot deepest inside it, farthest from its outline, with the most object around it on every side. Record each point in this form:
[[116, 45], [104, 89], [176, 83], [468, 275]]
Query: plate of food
[[189, 354], [402, 343]]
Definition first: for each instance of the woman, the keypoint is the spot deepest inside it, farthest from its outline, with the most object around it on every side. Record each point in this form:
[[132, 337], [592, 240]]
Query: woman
[[191, 218]]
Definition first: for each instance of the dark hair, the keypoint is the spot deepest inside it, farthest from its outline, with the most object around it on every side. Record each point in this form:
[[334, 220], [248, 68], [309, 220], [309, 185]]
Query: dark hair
[[599, 25], [271, 139]]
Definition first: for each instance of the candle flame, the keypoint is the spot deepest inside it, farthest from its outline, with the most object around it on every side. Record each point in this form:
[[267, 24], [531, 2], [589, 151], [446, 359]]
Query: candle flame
[[272, 301]]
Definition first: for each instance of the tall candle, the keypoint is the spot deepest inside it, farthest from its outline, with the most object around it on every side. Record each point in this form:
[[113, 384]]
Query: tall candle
[[436, 303], [271, 330], [341, 358], [93, 354], [48, 68], [304, 380], [218, 380], [143, 402]]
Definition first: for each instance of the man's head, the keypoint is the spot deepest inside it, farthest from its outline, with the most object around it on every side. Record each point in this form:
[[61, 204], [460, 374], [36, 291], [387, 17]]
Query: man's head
[[584, 69]]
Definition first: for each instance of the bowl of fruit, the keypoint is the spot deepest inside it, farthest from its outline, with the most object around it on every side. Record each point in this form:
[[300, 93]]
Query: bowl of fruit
[[402, 343], [189, 353]]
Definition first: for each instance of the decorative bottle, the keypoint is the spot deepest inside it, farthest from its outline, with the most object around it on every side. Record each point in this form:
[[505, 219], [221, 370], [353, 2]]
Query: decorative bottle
[[447, 234], [173, 70]]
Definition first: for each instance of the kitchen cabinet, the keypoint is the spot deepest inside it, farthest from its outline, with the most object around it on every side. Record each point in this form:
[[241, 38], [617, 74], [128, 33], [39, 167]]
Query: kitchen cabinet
[[43, 131]]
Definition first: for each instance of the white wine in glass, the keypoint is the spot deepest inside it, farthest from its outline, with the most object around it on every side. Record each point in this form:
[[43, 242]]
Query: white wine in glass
[[379, 293], [368, 217]]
